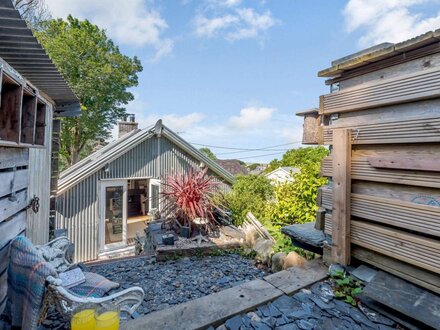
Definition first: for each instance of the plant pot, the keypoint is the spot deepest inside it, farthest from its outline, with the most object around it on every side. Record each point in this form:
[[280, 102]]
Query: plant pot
[[168, 239], [185, 231]]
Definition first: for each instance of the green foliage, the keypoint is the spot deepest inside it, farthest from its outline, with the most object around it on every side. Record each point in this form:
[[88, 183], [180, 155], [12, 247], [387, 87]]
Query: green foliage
[[98, 73], [208, 153], [347, 287], [299, 157], [249, 194], [295, 202]]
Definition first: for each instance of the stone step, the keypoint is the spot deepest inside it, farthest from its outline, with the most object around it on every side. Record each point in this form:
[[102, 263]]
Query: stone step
[[307, 237], [407, 299]]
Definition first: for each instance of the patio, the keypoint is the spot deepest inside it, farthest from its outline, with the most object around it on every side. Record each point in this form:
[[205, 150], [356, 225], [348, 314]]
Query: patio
[[175, 281]]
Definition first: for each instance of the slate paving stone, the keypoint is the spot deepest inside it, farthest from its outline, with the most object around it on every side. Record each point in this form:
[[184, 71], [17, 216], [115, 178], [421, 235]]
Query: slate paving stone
[[176, 281], [234, 323], [316, 308]]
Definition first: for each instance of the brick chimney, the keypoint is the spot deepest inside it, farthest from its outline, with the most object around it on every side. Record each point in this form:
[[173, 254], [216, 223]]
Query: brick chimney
[[127, 124]]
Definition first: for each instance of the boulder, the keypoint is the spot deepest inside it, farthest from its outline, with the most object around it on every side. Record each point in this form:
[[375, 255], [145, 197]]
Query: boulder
[[264, 249], [278, 261], [293, 259]]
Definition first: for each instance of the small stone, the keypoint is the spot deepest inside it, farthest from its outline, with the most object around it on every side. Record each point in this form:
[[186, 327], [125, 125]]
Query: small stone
[[278, 261], [375, 317], [336, 270], [293, 259], [305, 325], [233, 323], [285, 304], [321, 304]]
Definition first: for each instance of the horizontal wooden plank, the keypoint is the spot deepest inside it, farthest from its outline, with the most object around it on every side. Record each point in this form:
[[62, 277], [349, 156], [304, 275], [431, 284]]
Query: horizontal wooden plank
[[13, 181], [362, 170], [10, 157], [411, 216], [404, 88], [10, 207], [413, 249], [411, 130], [12, 228], [410, 248], [419, 276], [406, 163]]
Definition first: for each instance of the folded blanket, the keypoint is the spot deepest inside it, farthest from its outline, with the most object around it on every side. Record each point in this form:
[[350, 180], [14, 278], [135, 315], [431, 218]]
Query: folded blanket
[[27, 275], [95, 286]]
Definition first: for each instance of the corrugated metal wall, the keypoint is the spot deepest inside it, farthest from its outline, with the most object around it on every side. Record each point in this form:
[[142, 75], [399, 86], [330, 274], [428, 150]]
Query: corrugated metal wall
[[39, 185], [77, 208]]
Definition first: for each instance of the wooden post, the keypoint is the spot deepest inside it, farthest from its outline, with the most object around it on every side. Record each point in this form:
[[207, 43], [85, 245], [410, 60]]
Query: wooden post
[[341, 196]]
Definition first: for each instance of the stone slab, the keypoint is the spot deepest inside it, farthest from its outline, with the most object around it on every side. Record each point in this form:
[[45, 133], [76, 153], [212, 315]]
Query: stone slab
[[307, 236], [296, 278], [406, 298], [213, 309], [364, 273]]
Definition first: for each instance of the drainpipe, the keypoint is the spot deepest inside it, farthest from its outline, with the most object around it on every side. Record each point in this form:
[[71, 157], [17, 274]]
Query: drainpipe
[[158, 131]]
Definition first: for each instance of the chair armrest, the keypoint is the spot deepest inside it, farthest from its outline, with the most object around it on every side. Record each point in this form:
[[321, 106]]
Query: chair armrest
[[127, 300]]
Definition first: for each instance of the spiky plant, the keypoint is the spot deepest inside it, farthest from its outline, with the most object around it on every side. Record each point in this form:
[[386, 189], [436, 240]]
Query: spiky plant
[[189, 195]]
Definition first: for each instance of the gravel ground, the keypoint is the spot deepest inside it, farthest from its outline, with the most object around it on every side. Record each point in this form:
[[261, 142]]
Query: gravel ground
[[314, 308], [173, 282]]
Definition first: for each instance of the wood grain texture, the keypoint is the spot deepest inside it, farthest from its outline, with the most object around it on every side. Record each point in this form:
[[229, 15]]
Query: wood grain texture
[[406, 163], [10, 107], [28, 113], [9, 207], [404, 88], [419, 276], [10, 229], [341, 196], [13, 181], [10, 157]]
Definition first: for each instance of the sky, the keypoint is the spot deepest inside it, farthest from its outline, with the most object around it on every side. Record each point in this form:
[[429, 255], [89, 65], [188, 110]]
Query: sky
[[233, 73]]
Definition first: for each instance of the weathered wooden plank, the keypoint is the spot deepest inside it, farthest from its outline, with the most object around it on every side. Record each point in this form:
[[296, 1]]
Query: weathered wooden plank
[[10, 157], [406, 163], [13, 181], [404, 88], [405, 298], [341, 196], [10, 108], [419, 276], [414, 249], [3, 287], [29, 107], [9, 207]]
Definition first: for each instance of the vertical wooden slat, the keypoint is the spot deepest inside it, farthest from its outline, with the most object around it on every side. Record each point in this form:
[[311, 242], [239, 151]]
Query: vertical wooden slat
[[341, 196]]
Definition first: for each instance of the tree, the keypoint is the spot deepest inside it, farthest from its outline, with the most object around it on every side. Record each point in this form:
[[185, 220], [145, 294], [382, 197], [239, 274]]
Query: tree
[[298, 157], [208, 153], [98, 73], [33, 11]]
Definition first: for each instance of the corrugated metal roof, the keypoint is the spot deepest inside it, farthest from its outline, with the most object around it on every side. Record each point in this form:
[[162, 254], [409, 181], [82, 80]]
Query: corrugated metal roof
[[21, 50], [100, 158]]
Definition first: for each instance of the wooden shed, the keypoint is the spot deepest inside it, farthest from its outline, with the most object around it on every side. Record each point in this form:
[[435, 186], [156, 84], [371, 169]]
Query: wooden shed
[[382, 121], [33, 96]]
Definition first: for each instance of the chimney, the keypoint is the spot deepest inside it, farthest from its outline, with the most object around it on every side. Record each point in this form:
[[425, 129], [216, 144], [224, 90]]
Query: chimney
[[127, 124]]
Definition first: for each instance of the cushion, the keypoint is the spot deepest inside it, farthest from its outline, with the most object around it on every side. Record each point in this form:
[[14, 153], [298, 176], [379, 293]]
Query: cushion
[[95, 286]]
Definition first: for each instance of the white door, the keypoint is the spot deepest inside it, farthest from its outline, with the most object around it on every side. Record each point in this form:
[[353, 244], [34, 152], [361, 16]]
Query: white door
[[113, 215], [154, 195]]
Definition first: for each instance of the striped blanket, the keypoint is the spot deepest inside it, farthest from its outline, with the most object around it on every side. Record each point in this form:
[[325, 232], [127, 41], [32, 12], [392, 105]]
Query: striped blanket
[[27, 275]]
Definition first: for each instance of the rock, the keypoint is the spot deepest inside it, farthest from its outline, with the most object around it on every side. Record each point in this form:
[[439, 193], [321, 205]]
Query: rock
[[278, 261], [335, 270], [264, 249], [234, 323], [286, 304], [305, 324], [375, 317], [293, 259]]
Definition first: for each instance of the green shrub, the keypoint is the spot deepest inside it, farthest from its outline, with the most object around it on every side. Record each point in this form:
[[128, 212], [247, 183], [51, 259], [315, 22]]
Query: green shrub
[[249, 194]]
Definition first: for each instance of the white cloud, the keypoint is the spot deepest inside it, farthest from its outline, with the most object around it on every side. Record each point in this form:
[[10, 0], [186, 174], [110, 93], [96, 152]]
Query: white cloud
[[132, 22], [251, 117], [389, 20], [227, 19]]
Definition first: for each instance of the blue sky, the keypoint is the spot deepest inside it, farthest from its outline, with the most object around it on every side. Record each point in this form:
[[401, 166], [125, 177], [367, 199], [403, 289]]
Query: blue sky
[[233, 73]]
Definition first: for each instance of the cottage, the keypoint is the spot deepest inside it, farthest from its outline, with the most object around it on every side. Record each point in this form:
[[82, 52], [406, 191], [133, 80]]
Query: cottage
[[382, 121], [282, 174], [103, 200], [33, 97]]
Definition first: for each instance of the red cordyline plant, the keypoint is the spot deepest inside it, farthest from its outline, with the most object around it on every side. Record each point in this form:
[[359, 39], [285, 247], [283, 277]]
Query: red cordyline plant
[[189, 195]]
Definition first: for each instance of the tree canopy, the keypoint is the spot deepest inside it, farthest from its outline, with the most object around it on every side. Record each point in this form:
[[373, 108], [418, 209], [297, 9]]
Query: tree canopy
[[98, 73], [208, 153], [299, 157]]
